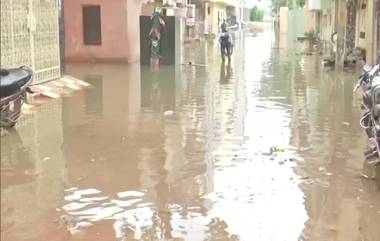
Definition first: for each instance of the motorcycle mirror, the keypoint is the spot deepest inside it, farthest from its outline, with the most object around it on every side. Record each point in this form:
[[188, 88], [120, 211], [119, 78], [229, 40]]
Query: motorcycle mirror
[[367, 68], [356, 87]]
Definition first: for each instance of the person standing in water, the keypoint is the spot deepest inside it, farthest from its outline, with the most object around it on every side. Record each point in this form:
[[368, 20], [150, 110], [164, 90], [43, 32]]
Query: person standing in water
[[223, 27]]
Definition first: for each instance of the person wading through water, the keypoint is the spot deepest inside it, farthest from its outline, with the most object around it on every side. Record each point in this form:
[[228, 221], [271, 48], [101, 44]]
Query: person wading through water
[[225, 40], [156, 29]]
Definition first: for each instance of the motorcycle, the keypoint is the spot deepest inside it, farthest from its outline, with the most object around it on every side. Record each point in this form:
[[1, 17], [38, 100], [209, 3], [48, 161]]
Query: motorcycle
[[369, 82], [14, 86]]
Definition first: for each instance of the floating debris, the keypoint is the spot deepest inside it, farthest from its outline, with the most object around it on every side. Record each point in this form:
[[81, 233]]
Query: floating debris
[[71, 189], [130, 194], [73, 86], [304, 178], [364, 175], [194, 64], [168, 113], [277, 149]]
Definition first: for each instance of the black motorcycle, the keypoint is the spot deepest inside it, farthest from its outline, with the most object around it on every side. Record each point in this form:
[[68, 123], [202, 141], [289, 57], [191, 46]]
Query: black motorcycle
[[14, 84], [369, 81]]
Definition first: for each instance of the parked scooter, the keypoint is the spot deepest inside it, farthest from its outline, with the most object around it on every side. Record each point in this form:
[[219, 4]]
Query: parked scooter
[[14, 85]]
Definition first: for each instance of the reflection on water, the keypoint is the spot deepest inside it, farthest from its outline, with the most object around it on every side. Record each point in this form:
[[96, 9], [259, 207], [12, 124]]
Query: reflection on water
[[266, 148], [94, 98], [158, 88], [226, 73], [33, 175], [16, 162]]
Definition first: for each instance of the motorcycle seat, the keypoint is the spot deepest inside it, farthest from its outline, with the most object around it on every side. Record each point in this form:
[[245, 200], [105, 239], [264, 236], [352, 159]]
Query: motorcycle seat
[[12, 80]]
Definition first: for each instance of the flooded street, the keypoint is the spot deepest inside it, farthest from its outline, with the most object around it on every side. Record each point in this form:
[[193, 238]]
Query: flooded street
[[267, 148]]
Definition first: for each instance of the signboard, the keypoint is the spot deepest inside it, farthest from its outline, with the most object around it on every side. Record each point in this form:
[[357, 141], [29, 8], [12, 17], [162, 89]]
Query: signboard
[[190, 21]]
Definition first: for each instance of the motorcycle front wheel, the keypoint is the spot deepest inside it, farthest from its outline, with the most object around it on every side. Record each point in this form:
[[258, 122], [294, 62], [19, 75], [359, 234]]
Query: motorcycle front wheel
[[10, 113], [371, 168], [371, 164]]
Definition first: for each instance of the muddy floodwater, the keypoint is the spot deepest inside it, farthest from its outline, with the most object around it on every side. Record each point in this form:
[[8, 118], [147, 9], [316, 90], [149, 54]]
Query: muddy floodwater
[[267, 148]]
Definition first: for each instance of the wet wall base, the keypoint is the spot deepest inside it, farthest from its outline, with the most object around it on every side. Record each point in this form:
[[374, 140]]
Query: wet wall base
[[171, 40]]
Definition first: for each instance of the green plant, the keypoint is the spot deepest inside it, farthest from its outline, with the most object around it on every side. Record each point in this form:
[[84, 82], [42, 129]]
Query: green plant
[[210, 37], [256, 14], [276, 4]]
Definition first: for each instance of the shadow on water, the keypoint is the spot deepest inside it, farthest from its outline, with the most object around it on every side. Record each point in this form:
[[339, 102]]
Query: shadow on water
[[16, 161]]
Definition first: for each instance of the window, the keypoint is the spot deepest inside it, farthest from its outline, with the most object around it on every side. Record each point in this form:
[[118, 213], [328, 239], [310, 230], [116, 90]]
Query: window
[[92, 34]]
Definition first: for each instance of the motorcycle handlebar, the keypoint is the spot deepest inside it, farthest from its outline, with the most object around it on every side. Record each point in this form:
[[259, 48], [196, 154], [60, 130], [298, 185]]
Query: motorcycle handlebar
[[360, 82]]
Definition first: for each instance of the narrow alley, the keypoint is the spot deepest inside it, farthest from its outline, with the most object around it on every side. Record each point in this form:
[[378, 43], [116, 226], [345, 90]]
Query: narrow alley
[[268, 147]]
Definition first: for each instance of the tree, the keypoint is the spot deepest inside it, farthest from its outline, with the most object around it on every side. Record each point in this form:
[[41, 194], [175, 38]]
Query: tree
[[256, 14], [276, 4]]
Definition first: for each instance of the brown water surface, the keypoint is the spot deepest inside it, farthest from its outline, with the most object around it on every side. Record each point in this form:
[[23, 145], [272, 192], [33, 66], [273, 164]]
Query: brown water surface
[[267, 148]]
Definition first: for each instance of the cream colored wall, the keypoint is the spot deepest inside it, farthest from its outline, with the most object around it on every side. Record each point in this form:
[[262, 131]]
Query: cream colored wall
[[212, 19], [284, 13], [360, 26], [311, 18], [364, 23], [133, 8]]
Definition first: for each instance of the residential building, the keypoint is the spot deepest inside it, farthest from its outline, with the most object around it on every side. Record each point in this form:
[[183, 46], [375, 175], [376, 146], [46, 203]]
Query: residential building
[[366, 28], [320, 18], [354, 22], [102, 30], [219, 10]]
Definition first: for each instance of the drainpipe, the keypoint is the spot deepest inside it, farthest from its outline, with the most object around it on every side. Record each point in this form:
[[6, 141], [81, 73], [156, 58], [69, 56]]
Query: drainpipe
[[341, 32], [61, 34], [205, 30], [241, 14], [294, 21], [374, 32]]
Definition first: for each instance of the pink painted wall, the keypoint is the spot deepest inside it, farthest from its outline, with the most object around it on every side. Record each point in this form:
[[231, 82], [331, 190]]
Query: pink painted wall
[[114, 47], [134, 8]]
